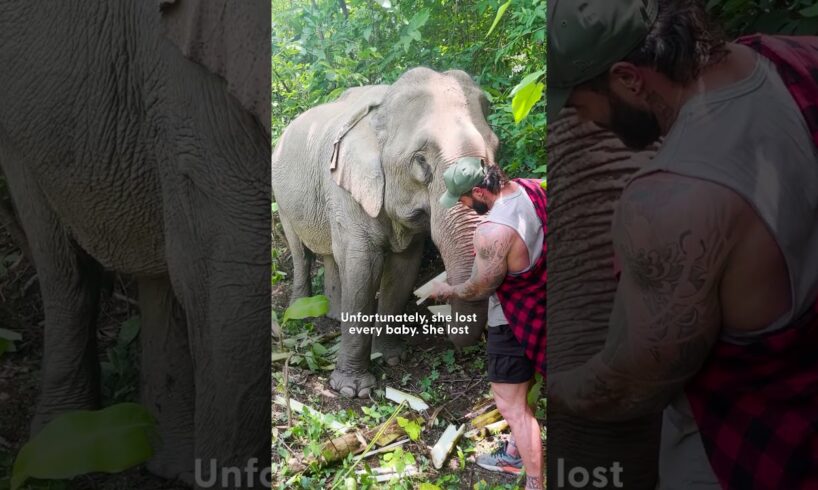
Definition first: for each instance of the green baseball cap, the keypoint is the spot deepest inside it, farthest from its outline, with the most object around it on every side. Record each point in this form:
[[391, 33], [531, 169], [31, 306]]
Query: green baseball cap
[[460, 178], [586, 37]]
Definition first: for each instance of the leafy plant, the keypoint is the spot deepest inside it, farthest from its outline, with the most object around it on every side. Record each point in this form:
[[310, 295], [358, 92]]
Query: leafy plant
[[411, 427], [120, 372], [7, 340], [397, 459], [75, 443]]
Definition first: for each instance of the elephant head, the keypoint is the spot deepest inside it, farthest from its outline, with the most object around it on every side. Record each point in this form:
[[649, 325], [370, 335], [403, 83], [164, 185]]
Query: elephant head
[[420, 125]]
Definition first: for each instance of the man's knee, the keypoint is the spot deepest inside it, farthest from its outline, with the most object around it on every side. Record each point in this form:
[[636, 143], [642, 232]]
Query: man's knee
[[512, 409]]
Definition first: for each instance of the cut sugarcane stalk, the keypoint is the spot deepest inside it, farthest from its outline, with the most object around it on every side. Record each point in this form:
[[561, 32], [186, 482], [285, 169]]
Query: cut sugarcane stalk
[[299, 407], [481, 408], [423, 291], [445, 444], [441, 310], [481, 433], [398, 396], [355, 442], [486, 419]]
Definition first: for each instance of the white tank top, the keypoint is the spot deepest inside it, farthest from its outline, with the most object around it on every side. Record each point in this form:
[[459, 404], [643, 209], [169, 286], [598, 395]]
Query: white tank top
[[517, 212], [751, 138]]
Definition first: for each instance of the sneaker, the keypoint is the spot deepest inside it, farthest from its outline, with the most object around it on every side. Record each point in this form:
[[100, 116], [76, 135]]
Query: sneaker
[[501, 461]]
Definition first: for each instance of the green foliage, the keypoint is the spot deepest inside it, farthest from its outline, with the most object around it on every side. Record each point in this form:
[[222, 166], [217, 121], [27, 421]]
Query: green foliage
[[314, 306], [411, 427], [789, 17], [75, 443], [120, 372], [7, 340], [318, 52], [397, 459]]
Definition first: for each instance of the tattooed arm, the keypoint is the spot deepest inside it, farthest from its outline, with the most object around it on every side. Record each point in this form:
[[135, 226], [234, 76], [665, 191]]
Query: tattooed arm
[[492, 244], [673, 236]]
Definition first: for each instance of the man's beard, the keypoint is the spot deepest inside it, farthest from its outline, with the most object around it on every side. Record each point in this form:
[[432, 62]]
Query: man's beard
[[479, 207], [637, 128]]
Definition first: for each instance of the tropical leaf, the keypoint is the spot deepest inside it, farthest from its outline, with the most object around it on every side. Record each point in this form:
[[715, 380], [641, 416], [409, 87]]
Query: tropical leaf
[[525, 97], [75, 443], [306, 308], [500, 12]]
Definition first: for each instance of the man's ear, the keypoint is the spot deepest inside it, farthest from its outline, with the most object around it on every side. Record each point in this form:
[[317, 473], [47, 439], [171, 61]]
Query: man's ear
[[626, 76]]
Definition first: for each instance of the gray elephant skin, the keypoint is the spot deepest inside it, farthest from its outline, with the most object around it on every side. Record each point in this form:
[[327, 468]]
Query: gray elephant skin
[[127, 148], [587, 171], [368, 215]]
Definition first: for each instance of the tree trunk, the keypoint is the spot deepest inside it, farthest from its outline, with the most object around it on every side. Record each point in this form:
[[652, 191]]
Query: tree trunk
[[587, 170]]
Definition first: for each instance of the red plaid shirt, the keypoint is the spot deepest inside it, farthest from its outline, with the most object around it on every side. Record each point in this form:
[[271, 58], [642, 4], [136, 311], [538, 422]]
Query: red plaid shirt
[[756, 405], [522, 296]]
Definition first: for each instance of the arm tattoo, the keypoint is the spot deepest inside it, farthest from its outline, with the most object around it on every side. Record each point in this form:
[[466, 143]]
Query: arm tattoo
[[492, 243], [667, 313]]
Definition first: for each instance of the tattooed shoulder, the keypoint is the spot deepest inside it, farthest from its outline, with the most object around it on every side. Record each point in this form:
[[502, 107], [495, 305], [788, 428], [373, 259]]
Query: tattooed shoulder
[[493, 241]]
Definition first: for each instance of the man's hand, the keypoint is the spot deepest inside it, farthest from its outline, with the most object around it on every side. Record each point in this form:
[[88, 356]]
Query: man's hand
[[674, 236], [441, 291]]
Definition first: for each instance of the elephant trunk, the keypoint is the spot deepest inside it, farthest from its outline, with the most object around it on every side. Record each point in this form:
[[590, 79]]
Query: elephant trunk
[[453, 234], [588, 169]]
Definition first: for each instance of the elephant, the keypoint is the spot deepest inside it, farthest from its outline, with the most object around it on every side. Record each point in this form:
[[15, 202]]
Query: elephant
[[357, 182], [588, 169], [132, 141]]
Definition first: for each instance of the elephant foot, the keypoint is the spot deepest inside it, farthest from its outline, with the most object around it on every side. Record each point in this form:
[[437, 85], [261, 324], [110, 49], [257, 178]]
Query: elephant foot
[[334, 314], [393, 350], [351, 385]]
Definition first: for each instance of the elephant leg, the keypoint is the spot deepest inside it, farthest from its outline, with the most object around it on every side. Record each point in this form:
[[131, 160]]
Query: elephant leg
[[399, 274], [167, 377], [332, 287], [302, 262], [360, 270], [70, 283]]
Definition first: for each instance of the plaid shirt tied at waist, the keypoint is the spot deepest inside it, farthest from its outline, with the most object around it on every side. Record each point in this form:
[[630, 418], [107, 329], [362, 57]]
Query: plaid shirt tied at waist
[[522, 296]]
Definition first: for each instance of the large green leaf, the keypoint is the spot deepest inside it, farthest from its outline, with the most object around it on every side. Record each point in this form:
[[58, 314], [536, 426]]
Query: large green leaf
[[7, 340], [128, 331], [500, 12], [526, 94], [810, 11], [307, 307], [76, 443]]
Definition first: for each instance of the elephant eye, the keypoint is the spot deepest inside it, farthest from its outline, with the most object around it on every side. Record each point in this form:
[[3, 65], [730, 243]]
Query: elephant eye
[[423, 172]]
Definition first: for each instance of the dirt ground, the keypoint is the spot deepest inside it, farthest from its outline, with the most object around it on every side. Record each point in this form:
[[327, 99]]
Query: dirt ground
[[458, 388]]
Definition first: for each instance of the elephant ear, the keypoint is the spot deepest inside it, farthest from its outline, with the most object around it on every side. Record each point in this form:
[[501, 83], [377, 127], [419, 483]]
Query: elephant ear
[[227, 37], [356, 162]]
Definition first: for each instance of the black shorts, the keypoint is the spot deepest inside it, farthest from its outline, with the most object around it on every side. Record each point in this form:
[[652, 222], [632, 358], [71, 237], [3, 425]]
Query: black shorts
[[507, 362]]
